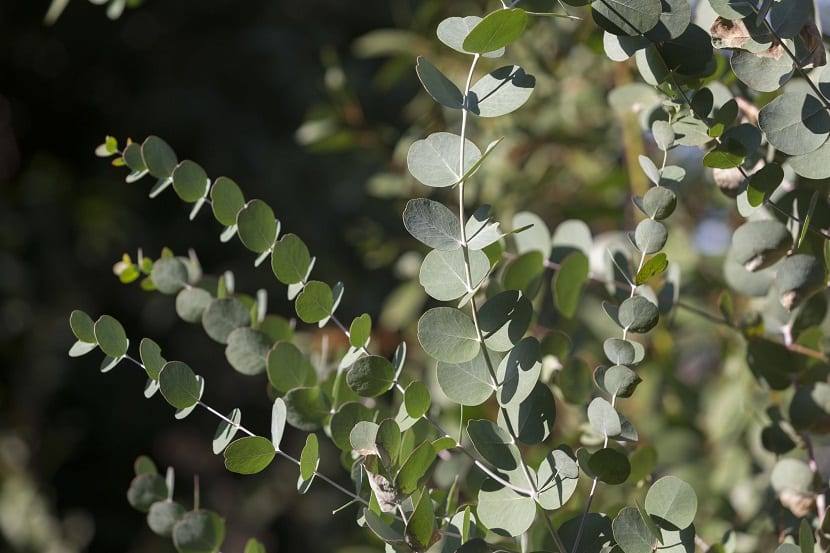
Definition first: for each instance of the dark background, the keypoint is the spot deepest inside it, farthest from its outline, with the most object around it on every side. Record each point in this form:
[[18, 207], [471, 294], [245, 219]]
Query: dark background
[[226, 83]]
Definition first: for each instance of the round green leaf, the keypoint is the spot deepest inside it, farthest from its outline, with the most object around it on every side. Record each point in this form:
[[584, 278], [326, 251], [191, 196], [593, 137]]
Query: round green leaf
[[169, 275], [519, 371], [496, 30], [247, 349], [190, 181], [226, 200], [675, 17], [432, 223], [495, 446], [223, 316], [438, 85], [179, 385], [82, 326], [371, 376], [650, 236], [610, 465], [414, 470], [626, 17], [443, 273], [759, 244], [556, 479], [290, 259], [504, 319], [163, 516], [619, 352], [798, 277], [616, 381], [765, 73], [150, 354], [604, 418], [569, 281], [595, 537], [360, 330], [453, 30], [448, 335], [434, 161], [532, 418], [133, 158], [144, 465], [466, 383], [289, 368], [191, 303], [306, 408], [111, 337], [145, 489], [503, 510], [257, 226], [501, 92], [159, 157], [535, 238], [199, 532], [637, 314], [732, 9], [815, 165], [315, 302], [309, 457], [631, 532], [363, 436], [672, 500], [795, 123], [249, 455], [388, 441], [659, 202], [792, 475], [416, 399], [344, 420]]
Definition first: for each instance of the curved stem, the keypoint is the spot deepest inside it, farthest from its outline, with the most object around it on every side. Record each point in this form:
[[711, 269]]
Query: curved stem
[[470, 286], [219, 415]]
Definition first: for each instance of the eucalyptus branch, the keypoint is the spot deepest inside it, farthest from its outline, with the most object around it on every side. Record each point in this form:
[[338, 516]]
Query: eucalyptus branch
[[248, 432]]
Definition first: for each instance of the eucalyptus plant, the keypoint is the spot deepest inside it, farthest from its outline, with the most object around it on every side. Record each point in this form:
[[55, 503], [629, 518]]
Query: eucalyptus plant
[[495, 340]]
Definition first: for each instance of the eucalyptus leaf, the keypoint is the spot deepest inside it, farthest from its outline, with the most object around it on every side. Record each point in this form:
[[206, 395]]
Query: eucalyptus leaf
[[223, 316], [435, 160], [199, 532], [500, 92], [290, 259], [438, 85], [190, 181], [796, 123], [433, 224], [287, 368], [444, 273], [672, 501], [257, 226], [249, 455], [496, 30], [179, 385], [371, 376], [111, 337], [503, 510], [315, 302], [466, 383], [453, 30], [247, 350], [448, 335]]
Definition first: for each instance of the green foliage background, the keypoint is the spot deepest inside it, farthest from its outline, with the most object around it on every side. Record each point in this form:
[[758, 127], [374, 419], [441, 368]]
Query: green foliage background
[[304, 104]]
